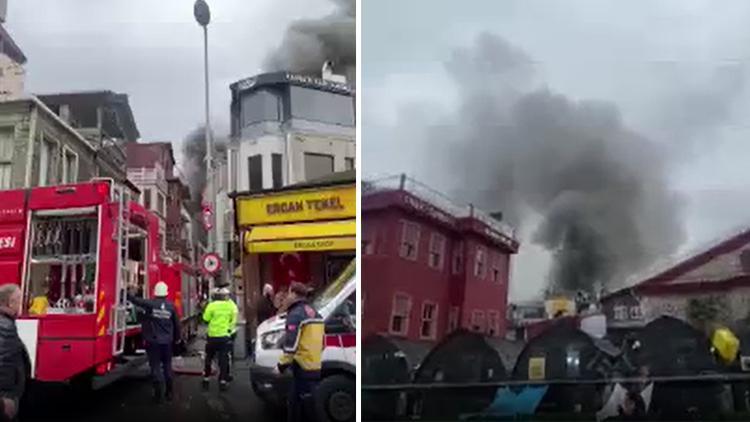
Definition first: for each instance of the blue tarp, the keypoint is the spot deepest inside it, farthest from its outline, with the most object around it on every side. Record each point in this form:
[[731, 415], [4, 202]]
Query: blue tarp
[[508, 403]]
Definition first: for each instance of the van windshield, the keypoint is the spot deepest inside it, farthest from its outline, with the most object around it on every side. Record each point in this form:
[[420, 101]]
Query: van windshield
[[325, 297]]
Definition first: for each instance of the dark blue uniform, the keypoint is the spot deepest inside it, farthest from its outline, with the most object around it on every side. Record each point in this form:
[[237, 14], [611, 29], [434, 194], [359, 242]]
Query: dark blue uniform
[[161, 330]]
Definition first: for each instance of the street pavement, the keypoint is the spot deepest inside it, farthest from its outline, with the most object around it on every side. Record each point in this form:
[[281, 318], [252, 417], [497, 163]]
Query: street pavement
[[129, 399]]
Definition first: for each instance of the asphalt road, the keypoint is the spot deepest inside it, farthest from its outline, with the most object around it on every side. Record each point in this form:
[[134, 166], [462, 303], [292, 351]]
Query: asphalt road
[[129, 399]]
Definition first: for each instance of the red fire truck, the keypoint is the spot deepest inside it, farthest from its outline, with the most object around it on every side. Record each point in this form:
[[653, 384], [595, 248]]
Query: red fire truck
[[74, 250]]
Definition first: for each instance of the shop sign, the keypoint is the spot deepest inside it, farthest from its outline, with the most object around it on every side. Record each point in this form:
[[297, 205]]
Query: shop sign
[[330, 244], [323, 204]]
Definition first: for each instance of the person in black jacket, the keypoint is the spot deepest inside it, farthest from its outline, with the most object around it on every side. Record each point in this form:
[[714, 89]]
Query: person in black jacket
[[161, 332], [13, 356]]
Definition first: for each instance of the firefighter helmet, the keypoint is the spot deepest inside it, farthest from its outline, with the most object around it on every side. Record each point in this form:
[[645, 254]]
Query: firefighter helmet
[[161, 289]]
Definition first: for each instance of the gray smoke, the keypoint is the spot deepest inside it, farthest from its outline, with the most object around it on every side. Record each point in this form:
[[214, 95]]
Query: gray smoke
[[194, 166], [600, 188], [308, 43]]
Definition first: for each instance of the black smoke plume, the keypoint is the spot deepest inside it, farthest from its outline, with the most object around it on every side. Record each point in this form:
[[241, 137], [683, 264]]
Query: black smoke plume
[[194, 153], [599, 188], [308, 43]]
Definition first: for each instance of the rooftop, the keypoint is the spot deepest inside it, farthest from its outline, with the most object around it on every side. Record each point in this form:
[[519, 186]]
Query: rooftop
[[275, 78]]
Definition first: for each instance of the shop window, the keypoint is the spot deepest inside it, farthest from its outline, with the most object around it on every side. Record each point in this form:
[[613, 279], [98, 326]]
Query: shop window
[[458, 259], [409, 240], [493, 323], [453, 319], [437, 251], [480, 264], [477, 321], [400, 314], [429, 321]]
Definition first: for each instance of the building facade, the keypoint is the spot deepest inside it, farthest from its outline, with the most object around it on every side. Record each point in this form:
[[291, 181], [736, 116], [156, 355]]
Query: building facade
[[287, 129], [710, 286], [430, 266]]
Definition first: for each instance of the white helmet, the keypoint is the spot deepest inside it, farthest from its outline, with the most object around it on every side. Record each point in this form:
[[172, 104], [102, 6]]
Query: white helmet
[[161, 289]]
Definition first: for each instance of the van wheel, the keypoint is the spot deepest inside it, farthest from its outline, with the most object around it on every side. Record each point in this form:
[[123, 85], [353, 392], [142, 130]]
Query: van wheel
[[336, 400]]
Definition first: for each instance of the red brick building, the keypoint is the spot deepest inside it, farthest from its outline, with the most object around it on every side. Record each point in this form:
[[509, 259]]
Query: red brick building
[[430, 266]]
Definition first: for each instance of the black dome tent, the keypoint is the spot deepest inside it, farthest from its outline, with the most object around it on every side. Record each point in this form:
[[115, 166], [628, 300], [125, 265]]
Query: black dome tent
[[387, 361], [462, 357], [668, 346], [564, 352]]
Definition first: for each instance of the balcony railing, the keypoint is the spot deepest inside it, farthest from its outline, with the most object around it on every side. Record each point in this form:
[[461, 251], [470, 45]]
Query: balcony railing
[[435, 198]]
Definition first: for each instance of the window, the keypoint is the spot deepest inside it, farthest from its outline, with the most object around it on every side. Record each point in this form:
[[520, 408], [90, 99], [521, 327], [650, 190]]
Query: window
[[45, 161], [6, 157], [453, 319], [409, 240], [232, 169], [479, 262], [621, 313], [160, 203], [255, 168], [437, 251], [368, 242], [458, 259], [317, 165], [349, 163], [260, 106], [70, 167], [400, 314], [493, 323], [276, 173], [321, 106], [477, 321], [497, 264], [429, 321], [147, 199], [635, 312]]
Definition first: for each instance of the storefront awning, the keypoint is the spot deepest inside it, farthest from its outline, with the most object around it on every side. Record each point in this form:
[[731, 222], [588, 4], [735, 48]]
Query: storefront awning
[[323, 236]]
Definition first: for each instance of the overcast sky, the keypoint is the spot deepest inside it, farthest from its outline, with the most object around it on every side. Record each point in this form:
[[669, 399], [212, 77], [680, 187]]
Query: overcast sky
[[643, 56], [152, 51]]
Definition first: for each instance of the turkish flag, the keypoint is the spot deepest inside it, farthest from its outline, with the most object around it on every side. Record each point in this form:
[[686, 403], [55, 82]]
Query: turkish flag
[[288, 267]]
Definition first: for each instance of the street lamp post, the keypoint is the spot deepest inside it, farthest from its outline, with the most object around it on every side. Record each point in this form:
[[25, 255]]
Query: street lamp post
[[202, 15]]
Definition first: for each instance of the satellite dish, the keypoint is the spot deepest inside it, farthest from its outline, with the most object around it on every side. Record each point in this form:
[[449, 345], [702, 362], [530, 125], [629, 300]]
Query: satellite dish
[[201, 12]]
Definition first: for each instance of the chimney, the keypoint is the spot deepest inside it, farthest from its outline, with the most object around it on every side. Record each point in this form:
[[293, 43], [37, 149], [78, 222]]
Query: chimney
[[328, 75]]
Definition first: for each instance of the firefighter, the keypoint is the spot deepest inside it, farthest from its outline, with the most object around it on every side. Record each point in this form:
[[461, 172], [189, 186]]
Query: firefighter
[[303, 346], [221, 316], [161, 331]]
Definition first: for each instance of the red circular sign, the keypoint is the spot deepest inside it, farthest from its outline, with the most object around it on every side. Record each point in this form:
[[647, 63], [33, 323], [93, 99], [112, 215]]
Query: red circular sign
[[211, 263]]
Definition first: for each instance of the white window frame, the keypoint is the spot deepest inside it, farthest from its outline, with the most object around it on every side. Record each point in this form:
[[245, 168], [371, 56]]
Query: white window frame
[[147, 192], [635, 312], [480, 262], [458, 259], [493, 323], [7, 162], [433, 321], [495, 273], [67, 177], [453, 318], [477, 323], [45, 159], [415, 252], [405, 326], [436, 250], [620, 312]]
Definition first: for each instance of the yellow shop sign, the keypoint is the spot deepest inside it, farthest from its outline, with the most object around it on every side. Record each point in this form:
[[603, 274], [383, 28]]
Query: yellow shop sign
[[311, 205]]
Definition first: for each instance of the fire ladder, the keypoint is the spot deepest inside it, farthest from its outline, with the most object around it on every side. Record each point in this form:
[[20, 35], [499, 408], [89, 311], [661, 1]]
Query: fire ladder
[[120, 310]]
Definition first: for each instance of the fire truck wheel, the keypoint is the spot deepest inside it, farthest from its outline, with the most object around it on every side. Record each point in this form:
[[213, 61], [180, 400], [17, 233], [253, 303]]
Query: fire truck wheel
[[335, 399]]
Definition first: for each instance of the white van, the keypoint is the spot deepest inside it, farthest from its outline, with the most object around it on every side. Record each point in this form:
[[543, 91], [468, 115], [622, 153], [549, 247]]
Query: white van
[[335, 396]]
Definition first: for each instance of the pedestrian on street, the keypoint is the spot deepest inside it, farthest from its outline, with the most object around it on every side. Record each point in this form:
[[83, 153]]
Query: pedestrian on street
[[14, 359], [303, 347], [221, 316], [161, 332], [266, 307]]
